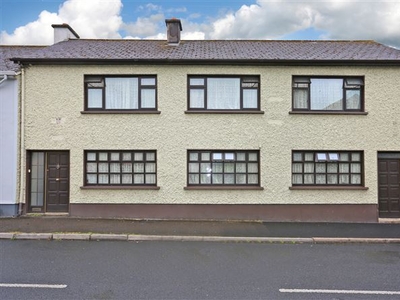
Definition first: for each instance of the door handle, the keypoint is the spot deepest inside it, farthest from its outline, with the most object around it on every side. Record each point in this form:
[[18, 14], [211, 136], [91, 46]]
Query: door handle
[[57, 179]]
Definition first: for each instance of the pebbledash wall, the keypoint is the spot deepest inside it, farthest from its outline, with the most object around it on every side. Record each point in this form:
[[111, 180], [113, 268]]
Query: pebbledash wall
[[53, 121]]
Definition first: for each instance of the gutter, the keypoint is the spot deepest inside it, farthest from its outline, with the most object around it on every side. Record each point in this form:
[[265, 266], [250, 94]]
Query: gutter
[[5, 77]]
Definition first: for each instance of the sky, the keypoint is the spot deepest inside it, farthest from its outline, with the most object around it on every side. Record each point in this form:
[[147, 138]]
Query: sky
[[28, 22]]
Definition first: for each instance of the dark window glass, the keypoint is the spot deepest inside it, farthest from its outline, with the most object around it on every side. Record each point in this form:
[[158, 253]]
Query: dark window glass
[[327, 168], [224, 93], [120, 167], [328, 94], [234, 167], [120, 93]]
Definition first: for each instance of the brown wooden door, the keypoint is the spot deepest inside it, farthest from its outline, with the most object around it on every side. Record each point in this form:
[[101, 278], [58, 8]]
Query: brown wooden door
[[57, 187], [389, 188]]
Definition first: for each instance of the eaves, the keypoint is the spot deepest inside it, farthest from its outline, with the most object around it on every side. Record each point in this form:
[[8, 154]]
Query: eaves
[[246, 62]]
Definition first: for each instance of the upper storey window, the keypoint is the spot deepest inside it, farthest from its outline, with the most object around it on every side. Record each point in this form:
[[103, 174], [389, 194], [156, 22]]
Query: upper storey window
[[120, 93], [328, 94], [224, 93]]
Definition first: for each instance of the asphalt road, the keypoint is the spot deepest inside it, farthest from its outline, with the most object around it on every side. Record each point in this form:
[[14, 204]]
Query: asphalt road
[[197, 270]]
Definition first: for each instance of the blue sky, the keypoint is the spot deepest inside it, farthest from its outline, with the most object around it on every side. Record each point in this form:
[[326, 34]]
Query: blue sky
[[29, 21]]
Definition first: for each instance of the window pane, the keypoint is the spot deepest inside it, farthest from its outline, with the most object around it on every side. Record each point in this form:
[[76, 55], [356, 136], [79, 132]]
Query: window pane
[[138, 179], [250, 98], [194, 178], [332, 168], [115, 179], [217, 168], [320, 179], [194, 168], [103, 179], [150, 167], [229, 156], [252, 168], [240, 179], [253, 157], [223, 93], [148, 81], [138, 168], [326, 94], [150, 156], [355, 168], [297, 168], [95, 98], [91, 178], [196, 98], [344, 168], [308, 179], [297, 179], [320, 168], [91, 167], [127, 179], [150, 178], [196, 81], [217, 178], [138, 156], [309, 168], [309, 156], [90, 156], [217, 156], [300, 98], [114, 156], [353, 99], [148, 98], [126, 156], [355, 157], [229, 168], [229, 179], [297, 157], [252, 179], [332, 179], [205, 156], [103, 167], [103, 156], [205, 179], [126, 168], [205, 168], [193, 156], [240, 156], [355, 179], [115, 168], [344, 179], [240, 168], [121, 93]]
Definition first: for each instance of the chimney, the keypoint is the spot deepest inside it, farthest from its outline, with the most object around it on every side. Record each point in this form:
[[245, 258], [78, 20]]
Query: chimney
[[63, 32], [174, 28]]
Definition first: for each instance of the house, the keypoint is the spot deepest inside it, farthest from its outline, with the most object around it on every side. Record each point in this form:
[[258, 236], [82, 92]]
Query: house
[[212, 129], [10, 82]]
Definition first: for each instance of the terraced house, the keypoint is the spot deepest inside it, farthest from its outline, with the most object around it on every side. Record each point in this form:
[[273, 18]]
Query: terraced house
[[227, 129]]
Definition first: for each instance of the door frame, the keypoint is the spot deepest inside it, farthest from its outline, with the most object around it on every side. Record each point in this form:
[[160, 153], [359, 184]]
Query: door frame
[[43, 208]]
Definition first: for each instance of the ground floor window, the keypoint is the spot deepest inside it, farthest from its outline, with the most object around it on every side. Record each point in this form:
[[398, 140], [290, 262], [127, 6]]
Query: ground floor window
[[327, 168], [116, 168], [227, 167]]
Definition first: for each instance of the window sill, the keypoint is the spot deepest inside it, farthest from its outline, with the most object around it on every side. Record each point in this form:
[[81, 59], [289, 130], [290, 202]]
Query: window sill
[[246, 188], [123, 187], [306, 112], [255, 112], [108, 112], [355, 188]]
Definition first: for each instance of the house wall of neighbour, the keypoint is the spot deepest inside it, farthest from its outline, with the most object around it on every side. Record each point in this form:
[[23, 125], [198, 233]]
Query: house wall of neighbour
[[8, 146], [53, 121]]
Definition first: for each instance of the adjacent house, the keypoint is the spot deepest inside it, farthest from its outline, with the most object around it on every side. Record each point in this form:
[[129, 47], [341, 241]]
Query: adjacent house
[[211, 129], [10, 83]]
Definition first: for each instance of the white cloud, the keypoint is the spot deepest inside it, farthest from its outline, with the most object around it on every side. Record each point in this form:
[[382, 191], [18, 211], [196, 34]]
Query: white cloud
[[357, 19], [90, 19], [145, 27]]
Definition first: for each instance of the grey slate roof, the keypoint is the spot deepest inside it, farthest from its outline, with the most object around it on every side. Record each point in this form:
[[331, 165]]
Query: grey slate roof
[[228, 51], [7, 52]]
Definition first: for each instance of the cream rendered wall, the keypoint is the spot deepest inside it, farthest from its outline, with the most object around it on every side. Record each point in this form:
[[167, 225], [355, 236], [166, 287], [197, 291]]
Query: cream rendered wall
[[57, 92]]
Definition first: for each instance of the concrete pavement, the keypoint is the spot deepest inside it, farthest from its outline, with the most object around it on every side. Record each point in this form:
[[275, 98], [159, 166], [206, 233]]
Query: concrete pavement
[[69, 228]]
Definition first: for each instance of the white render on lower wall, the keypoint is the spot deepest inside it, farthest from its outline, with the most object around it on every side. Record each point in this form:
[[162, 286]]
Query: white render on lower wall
[[55, 99]]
